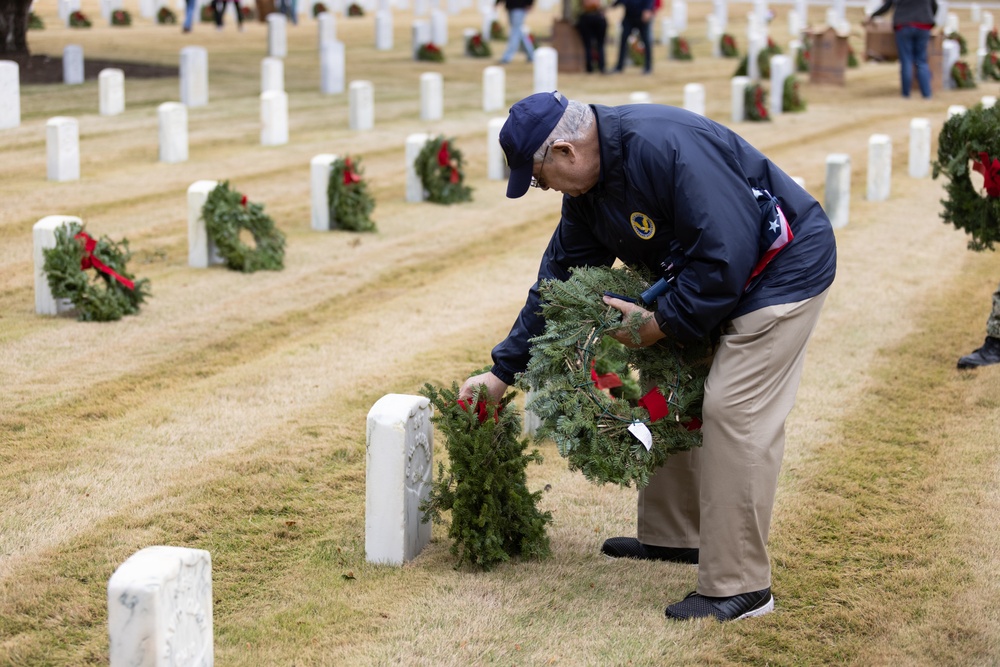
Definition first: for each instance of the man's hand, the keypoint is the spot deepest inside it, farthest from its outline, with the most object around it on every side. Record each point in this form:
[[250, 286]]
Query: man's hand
[[494, 386], [649, 333]]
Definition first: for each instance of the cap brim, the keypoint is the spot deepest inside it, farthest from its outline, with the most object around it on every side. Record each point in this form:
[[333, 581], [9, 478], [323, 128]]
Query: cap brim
[[519, 180]]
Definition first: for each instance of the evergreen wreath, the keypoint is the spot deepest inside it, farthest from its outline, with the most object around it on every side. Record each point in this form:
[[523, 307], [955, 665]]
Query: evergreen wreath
[[439, 166], [497, 33], [35, 22], [964, 138], [226, 212], [963, 48], [477, 47], [803, 56], [110, 293], [992, 40], [318, 9], [355, 10], [961, 74], [727, 46], [207, 14], [680, 49], [753, 102], [991, 67], [592, 429], [347, 196], [852, 58], [166, 16], [430, 52], [78, 20], [791, 96], [121, 17], [493, 514], [636, 51], [247, 13]]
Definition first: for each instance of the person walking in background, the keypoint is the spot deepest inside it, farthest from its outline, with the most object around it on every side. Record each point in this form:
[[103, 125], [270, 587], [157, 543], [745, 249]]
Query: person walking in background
[[989, 353], [593, 28], [219, 7], [912, 21], [517, 11], [638, 17], [189, 8], [288, 8], [748, 256]]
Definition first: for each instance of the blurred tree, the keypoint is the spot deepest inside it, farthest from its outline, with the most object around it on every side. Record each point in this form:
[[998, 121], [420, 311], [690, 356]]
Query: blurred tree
[[14, 27]]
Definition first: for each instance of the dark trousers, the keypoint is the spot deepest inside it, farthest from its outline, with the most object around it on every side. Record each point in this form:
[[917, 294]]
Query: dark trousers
[[628, 25], [911, 44], [593, 29], [219, 6]]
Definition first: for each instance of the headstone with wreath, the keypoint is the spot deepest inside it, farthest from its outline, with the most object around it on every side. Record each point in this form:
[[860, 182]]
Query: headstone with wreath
[[224, 216], [414, 187], [202, 252], [345, 195], [738, 90], [439, 166]]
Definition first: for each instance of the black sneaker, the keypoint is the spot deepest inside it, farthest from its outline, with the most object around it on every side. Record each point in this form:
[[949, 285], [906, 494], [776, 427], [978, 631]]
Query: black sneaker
[[629, 547], [988, 354], [744, 605]]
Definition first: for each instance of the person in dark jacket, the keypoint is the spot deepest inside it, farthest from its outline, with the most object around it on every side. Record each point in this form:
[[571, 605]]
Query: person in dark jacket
[[638, 17], [912, 21], [517, 11], [593, 29], [674, 192]]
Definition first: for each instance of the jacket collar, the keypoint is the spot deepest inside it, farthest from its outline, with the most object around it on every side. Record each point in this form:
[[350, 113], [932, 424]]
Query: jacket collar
[[612, 178]]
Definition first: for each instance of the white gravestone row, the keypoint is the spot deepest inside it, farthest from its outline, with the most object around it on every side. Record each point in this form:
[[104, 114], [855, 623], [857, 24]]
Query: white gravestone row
[[414, 186], [431, 96], [111, 88], [272, 74], [694, 98], [202, 252], [398, 476], [361, 114], [383, 31], [738, 87], [194, 76], [327, 29], [837, 200], [643, 97], [494, 88], [65, 8], [62, 149], [274, 118], [160, 608], [332, 78], [421, 35], [72, 64], [781, 69], [546, 65], [277, 35], [320, 168], [439, 28], [879, 167], [920, 148], [496, 163], [950, 53], [173, 120], [43, 235], [10, 94]]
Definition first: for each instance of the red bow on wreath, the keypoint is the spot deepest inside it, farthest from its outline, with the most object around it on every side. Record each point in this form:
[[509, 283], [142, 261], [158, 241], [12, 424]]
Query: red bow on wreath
[[89, 260], [444, 160], [350, 177], [991, 173], [758, 102], [481, 412], [606, 380], [243, 201]]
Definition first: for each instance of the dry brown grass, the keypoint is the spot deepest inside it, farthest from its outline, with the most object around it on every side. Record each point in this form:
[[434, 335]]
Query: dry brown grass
[[229, 415]]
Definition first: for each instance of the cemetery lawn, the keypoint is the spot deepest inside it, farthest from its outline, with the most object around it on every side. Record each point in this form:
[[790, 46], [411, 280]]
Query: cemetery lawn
[[229, 414]]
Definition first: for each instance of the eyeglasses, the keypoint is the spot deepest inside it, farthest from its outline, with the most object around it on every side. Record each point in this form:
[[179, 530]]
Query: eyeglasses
[[538, 181]]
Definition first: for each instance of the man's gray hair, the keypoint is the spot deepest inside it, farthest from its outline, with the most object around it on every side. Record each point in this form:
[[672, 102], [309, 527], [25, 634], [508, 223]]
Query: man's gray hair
[[574, 124]]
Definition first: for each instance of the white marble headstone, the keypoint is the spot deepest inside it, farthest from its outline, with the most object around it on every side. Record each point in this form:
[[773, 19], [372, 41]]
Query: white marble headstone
[[950, 53], [44, 237], [160, 609], [327, 23], [439, 28], [494, 88], [10, 94], [920, 148], [111, 88], [421, 34], [679, 15], [431, 96], [361, 101], [879, 167], [398, 477], [694, 98], [837, 200], [272, 74], [546, 66], [332, 77], [955, 110], [173, 119], [72, 64], [194, 76], [781, 69], [320, 168], [496, 163], [738, 90], [274, 118], [414, 186], [643, 97], [62, 148], [383, 31], [202, 252], [277, 35]]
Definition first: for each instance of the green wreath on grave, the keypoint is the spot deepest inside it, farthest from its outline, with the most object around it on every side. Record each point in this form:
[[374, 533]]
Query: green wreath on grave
[[494, 516], [121, 17], [727, 46], [318, 9], [347, 196], [991, 67], [477, 47], [754, 103], [993, 40], [207, 14], [963, 48], [35, 22], [78, 20], [166, 16], [636, 51], [969, 142], [105, 295], [803, 56], [430, 52], [852, 58], [354, 9], [962, 75], [791, 96], [226, 212], [497, 33], [439, 166], [680, 49], [763, 60], [595, 430]]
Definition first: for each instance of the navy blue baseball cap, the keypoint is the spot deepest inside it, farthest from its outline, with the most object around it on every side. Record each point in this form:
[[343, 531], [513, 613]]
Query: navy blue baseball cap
[[529, 124]]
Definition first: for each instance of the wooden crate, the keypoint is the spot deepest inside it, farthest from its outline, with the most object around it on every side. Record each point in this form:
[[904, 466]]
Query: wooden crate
[[568, 44], [828, 57]]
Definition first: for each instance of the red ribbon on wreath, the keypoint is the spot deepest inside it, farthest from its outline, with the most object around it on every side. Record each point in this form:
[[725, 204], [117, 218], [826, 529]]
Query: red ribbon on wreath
[[481, 412], [991, 173], [655, 404], [243, 201], [605, 380], [758, 102], [444, 160], [350, 177], [89, 260]]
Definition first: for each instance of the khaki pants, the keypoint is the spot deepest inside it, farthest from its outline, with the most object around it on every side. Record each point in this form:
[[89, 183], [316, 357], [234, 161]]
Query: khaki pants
[[719, 497]]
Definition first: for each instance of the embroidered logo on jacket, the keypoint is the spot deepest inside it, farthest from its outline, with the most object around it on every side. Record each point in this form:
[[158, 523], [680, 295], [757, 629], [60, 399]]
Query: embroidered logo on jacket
[[642, 225]]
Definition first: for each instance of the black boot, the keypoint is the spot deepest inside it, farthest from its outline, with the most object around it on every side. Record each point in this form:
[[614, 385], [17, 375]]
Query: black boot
[[988, 354]]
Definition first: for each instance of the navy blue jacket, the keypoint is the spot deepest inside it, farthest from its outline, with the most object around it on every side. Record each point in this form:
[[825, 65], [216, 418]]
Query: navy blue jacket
[[676, 187]]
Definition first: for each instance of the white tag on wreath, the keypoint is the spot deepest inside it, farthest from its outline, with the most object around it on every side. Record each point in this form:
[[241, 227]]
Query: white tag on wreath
[[642, 434]]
